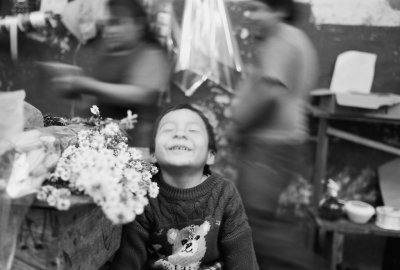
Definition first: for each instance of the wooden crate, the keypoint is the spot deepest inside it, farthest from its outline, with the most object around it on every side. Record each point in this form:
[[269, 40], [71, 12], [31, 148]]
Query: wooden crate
[[78, 239]]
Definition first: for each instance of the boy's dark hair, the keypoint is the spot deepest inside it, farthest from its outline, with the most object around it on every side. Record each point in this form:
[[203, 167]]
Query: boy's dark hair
[[287, 6], [210, 131]]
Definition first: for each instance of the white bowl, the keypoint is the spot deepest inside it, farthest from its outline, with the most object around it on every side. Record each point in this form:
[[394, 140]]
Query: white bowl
[[358, 211]]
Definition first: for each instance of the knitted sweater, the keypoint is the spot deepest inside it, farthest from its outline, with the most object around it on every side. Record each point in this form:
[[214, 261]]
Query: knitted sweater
[[189, 229]]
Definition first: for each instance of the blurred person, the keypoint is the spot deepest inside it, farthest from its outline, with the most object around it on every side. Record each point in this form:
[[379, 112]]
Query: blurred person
[[270, 128], [198, 220], [131, 71]]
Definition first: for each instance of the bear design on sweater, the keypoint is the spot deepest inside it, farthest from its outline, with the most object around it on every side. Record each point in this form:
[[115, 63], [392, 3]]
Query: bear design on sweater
[[188, 248]]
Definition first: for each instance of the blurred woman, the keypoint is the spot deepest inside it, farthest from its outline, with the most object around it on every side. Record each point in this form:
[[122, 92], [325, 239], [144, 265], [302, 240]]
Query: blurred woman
[[131, 72]]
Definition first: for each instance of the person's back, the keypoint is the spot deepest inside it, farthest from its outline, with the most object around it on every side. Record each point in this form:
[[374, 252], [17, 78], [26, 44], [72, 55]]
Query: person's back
[[287, 57], [269, 112]]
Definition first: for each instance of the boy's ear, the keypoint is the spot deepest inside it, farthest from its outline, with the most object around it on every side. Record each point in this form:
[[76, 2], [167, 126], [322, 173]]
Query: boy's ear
[[210, 158]]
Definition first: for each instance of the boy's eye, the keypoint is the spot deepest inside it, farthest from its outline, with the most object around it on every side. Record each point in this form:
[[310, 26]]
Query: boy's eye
[[194, 128], [167, 128]]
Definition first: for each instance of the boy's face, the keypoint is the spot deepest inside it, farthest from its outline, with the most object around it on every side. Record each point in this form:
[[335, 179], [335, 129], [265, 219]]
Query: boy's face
[[182, 141]]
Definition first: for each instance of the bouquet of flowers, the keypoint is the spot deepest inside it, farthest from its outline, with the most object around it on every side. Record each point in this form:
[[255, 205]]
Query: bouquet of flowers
[[101, 165]]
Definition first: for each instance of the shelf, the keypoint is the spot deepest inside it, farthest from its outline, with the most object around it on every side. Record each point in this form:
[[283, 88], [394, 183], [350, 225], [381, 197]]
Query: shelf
[[347, 227], [338, 229], [369, 118]]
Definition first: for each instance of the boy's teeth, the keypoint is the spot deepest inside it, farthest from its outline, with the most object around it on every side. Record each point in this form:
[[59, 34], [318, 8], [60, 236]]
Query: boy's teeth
[[180, 148]]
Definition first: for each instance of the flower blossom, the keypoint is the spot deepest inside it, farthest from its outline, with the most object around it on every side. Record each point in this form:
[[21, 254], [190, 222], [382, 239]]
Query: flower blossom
[[95, 110], [102, 166]]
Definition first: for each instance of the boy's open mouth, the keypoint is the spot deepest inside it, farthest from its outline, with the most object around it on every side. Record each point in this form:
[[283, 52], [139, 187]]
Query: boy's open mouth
[[180, 148]]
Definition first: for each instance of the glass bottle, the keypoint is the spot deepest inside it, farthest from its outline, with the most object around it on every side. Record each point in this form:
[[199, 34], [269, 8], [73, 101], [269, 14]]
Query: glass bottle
[[330, 207]]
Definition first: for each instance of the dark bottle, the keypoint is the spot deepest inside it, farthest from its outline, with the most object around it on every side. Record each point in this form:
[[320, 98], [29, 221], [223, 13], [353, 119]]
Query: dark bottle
[[330, 208]]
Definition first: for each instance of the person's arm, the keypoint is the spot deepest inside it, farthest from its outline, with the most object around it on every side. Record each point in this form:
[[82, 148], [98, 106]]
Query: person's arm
[[132, 253], [116, 93], [258, 104], [141, 84], [236, 240]]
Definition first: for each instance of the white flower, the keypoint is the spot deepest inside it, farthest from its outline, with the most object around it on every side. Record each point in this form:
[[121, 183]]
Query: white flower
[[146, 176], [51, 200], [138, 166], [123, 157], [129, 121], [110, 129], [139, 208], [41, 195], [135, 153], [154, 170], [63, 204], [153, 190], [102, 166], [65, 175], [83, 135], [95, 110]]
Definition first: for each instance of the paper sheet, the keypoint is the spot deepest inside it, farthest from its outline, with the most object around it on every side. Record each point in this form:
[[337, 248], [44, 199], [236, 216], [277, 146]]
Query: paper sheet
[[354, 72], [389, 183]]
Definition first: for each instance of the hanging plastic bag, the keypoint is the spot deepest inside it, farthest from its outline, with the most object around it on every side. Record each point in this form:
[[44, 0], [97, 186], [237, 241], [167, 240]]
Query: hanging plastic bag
[[207, 49], [81, 17], [161, 15]]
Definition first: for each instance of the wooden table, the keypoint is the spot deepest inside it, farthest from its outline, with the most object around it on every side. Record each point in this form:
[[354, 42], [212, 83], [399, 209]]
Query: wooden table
[[342, 227]]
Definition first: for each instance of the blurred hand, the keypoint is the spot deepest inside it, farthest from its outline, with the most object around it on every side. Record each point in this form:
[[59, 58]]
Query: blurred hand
[[69, 86]]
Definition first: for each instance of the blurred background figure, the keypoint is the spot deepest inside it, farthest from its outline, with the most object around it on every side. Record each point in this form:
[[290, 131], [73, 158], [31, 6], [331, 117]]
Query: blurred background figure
[[270, 128], [131, 70]]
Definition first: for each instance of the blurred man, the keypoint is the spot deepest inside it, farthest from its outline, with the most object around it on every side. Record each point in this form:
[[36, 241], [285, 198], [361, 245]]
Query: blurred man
[[269, 113]]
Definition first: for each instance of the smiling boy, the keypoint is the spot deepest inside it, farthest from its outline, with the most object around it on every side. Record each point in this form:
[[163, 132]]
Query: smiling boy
[[197, 221]]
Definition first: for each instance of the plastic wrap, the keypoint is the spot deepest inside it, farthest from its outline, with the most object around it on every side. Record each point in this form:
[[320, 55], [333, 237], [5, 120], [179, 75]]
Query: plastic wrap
[[12, 213], [11, 113], [207, 48]]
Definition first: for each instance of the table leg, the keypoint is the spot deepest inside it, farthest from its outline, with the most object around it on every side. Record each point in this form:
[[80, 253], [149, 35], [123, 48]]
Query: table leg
[[321, 157], [337, 250]]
